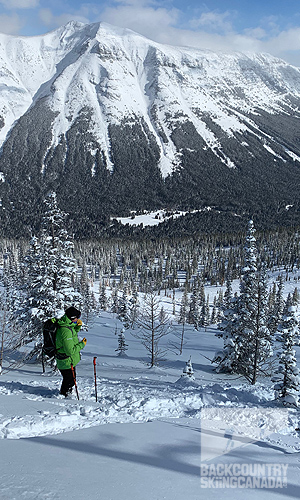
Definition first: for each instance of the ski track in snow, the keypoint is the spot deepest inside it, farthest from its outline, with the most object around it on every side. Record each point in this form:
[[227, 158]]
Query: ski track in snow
[[135, 401]]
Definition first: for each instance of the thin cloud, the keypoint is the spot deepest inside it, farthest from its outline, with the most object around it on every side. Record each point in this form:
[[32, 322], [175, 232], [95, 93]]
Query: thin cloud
[[52, 21], [286, 40], [19, 4], [10, 25], [213, 21], [211, 30], [146, 20]]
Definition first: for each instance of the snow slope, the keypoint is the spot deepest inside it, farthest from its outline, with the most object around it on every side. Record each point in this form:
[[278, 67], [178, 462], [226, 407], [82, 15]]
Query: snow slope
[[149, 432], [121, 75]]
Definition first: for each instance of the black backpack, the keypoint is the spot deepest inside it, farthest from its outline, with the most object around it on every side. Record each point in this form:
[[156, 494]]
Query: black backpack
[[50, 328], [49, 333]]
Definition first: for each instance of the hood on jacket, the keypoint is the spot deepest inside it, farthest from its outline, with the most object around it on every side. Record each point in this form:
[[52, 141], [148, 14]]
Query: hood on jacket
[[65, 321]]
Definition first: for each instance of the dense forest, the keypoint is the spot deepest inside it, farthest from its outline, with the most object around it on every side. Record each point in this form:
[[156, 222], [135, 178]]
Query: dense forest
[[42, 276]]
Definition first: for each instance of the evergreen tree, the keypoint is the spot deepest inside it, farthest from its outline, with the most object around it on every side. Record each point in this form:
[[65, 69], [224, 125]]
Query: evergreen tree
[[103, 301], [247, 340], [276, 312], [287, 384], [10, 331], [213, 318], [226, 358], [133, 307], [188, 370], [261, 344], [252, 345], [205, 318], [219, 303], [296, 297], [123, 309], [194, 311], [174, 302], [49, 276], [288, 303], [122, 346], [115, 300], [228, 293]]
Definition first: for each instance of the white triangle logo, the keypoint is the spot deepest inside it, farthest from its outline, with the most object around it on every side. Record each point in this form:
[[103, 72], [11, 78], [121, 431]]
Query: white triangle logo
[[225, 429]]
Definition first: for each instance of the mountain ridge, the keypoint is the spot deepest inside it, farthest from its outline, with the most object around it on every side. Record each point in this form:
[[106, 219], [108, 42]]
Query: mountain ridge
[[140, 125]]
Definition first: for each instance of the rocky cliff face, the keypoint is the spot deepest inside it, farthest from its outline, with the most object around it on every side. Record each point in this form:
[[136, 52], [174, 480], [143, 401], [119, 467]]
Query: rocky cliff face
[[114, 122]]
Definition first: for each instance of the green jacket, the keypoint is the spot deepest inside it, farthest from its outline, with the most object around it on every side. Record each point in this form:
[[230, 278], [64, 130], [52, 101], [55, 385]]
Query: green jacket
[[67, 343]]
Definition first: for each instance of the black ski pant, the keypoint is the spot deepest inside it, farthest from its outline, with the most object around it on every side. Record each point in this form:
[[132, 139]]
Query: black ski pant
[[67, 382]]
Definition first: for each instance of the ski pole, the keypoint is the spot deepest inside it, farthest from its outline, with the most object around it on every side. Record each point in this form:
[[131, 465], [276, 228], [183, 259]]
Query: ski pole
[[94, 361], [74, 378]]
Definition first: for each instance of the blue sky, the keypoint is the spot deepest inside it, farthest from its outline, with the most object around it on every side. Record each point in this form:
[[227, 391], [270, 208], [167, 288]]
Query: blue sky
[[254, 25]]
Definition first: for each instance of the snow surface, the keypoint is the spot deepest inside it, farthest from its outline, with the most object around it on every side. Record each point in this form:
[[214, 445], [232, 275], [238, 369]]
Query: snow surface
[[154, 218], [149, 432]]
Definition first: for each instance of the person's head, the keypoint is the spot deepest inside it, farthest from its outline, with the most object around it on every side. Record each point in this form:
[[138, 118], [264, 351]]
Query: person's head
[[72, 313]]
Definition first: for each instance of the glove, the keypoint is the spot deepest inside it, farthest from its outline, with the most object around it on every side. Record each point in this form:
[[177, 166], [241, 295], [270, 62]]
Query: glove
[[84, 341], [79, 322]]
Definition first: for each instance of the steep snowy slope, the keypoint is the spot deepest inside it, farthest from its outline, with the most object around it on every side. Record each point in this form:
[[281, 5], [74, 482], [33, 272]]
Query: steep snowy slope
[[120, 74], [26, 63], [142, 124]]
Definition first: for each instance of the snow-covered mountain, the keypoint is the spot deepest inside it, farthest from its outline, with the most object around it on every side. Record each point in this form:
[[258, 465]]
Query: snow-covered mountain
[[113, 121]]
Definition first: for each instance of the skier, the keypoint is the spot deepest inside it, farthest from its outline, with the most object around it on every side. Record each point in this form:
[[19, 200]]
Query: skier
[[68, 348]]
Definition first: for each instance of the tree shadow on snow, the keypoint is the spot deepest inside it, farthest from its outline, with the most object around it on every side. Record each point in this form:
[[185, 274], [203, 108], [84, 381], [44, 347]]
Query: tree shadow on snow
[[37, 390], [167, 457]]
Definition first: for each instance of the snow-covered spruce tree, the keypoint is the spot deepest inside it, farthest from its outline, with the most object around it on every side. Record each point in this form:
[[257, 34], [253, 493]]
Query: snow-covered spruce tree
[[194, 309], [122, 346], [103, 300], [296, 298], [213, 318], [123, 308], [288, 303], [253, 342], [287, 381], [220, 306], [133, 306], [262, 341], [224, 305], [188, 370], [49, 269], [153, 324], [228, 293], [9, 303], [205, 316], [226, 357], [276, 311], [114, 300], [247, 340], [174, 302], [271, 304]]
